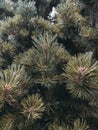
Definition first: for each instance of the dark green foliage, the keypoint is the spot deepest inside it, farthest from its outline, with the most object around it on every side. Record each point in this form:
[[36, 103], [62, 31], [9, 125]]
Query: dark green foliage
[[48, 65]]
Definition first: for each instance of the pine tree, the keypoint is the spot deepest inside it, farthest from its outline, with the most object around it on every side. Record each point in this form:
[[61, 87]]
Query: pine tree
[[48, 65]]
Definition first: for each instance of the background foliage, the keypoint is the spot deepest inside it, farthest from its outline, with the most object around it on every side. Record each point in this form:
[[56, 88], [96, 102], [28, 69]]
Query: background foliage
[[48, 65]]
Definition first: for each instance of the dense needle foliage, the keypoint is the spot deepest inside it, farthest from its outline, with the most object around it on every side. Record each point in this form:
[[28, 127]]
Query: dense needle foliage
[[48, 64]]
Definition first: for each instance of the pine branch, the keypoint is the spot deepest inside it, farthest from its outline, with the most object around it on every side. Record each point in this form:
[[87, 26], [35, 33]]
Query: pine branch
[[12, 84], [33, 107], [70, 15], [81, 73]]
